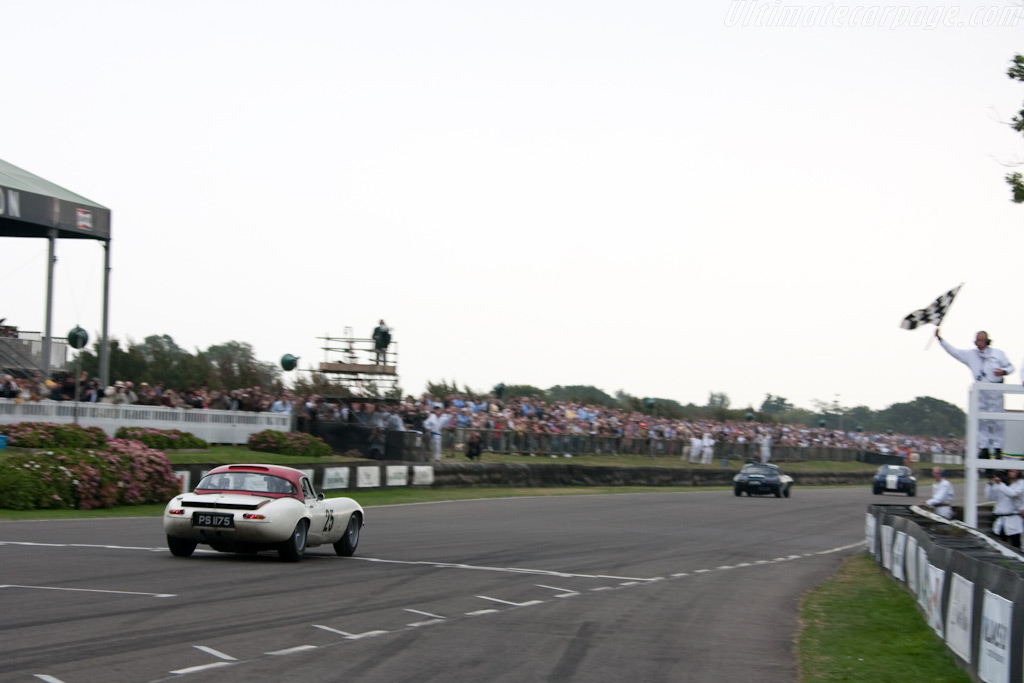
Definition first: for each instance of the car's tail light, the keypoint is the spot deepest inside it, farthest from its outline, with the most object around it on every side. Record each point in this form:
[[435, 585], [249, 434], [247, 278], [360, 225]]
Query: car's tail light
[[177, 511], [250, 515]]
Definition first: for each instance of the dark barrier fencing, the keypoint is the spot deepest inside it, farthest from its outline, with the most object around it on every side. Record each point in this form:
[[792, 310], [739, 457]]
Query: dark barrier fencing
[[967, 589], [377, 444]]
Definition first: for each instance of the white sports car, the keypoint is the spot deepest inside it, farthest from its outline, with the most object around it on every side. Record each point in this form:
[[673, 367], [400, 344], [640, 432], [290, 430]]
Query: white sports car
[[248, 508]]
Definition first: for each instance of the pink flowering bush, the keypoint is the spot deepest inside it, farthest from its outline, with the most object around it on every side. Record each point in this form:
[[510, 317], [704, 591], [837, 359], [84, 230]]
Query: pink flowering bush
[[289, 443], [145, 473], [50, 435], [162, 439], [120, 473]]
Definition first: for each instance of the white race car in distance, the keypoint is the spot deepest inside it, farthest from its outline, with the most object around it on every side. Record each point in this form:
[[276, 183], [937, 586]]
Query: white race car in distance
[[248, 508]]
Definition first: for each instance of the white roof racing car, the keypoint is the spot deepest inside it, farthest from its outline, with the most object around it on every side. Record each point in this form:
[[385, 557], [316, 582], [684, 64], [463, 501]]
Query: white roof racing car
[[249, 508]]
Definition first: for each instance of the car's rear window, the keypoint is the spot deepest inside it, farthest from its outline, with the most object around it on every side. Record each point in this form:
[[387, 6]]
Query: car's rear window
[[254, 482]]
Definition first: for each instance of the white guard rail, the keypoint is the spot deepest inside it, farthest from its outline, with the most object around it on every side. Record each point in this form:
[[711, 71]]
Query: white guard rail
[[213, 426], [971, 460]]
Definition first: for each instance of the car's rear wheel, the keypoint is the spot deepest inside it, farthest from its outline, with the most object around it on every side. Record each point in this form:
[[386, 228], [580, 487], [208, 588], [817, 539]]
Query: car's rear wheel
[[181, 547], [346, 545], [293, 549]]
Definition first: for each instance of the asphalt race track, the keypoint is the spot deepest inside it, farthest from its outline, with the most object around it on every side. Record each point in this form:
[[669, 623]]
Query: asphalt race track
[[696, 586]]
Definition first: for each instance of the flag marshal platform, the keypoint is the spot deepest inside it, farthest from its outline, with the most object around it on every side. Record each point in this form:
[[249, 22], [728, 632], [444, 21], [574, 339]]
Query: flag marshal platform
[[358, 368]]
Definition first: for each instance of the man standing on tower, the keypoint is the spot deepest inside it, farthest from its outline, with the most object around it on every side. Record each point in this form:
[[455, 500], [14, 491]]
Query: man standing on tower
[[381, 339], [987, 365]]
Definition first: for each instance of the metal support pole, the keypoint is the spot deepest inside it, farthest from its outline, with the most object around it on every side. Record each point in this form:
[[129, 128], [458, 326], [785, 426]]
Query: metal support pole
[[104, 341], [48, 325], [971, 459], [78, 371]]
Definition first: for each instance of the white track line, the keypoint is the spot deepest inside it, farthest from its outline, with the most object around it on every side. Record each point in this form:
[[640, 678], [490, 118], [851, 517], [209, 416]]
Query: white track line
[[509, 570], [216, 653], [291, 650], [89, 590]]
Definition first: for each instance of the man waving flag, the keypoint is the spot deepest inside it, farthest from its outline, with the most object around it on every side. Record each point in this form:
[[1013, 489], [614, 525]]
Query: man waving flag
[[933, 314]]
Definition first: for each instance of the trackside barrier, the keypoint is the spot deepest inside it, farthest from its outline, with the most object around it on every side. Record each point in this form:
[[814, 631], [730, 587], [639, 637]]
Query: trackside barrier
[[336, 477], [965, 583], [358, 476], [213, 426]]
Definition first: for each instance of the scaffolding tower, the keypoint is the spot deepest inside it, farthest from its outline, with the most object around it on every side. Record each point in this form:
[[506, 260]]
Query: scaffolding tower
[[353, 361]]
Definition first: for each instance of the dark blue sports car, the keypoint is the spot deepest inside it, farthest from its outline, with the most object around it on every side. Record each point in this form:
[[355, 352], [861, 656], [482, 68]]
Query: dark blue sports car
[[762, 480], [894, 479]]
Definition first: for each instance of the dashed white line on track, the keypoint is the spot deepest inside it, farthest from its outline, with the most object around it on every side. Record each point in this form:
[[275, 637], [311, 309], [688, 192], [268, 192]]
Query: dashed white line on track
[[291, 650], [201, 667], [426, 614], [216, 653], [89, 590], [513, 604], [566, 592]]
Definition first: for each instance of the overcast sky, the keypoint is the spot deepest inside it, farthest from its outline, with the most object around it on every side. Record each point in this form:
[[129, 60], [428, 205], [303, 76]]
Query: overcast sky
[[662, 197]]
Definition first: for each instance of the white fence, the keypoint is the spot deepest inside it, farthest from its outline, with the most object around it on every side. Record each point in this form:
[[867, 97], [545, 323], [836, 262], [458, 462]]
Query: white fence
[[213, 426]]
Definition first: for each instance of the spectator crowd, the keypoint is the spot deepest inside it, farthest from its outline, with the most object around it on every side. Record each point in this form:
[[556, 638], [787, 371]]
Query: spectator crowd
[[515, 424]]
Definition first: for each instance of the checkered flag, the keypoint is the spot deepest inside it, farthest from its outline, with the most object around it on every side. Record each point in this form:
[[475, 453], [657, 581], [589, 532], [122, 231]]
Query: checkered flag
[[933, 314]]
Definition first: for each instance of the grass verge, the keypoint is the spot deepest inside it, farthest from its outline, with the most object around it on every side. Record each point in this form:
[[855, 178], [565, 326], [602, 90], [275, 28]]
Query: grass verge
[[860, 626]]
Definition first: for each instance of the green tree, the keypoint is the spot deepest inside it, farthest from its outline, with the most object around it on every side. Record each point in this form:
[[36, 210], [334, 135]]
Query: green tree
[[718, 401], [585, 394], [162, 356], [775, 405], [524, 391], [861, 416], [800, 416], [321, 384], [442, 388], [924, 416], [234, 364], [1015, 180]]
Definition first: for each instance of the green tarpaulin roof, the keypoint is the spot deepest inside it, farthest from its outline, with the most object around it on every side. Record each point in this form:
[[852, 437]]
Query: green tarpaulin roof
[[31, 206], [19, 179]]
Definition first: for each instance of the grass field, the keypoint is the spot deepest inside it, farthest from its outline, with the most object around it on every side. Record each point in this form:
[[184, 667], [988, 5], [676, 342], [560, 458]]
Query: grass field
[[860, 626]]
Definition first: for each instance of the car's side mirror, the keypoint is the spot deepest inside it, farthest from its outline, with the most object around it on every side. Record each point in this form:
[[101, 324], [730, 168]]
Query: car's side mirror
[[320, 496]]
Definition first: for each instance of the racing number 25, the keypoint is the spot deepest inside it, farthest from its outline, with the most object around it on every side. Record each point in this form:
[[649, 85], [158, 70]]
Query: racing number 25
[[329, 521]]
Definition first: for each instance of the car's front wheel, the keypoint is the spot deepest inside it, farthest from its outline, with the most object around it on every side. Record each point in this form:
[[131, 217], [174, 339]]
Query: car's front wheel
[[778, 491], [786, 492], [912, 492], [737, 490], [293, 549], [181, 547], [346, 545]]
